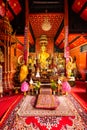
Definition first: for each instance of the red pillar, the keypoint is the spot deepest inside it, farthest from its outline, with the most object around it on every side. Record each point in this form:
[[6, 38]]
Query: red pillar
[[86, 68], [26, 32], [66, 28]]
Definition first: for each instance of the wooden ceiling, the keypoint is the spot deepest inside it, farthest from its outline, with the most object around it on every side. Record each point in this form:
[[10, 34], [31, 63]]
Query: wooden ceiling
[[55, 13], [36, 21]]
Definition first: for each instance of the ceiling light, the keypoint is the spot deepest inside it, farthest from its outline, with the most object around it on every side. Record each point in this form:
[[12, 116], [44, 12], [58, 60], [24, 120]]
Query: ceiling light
[[46, 26]]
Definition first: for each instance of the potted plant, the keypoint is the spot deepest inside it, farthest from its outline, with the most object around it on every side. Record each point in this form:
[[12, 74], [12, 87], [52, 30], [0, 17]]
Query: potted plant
[[53, 86], [37, 86]]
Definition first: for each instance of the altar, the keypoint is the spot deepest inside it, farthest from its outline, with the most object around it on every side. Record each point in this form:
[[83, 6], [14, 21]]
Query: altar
[[47, 68], [45, 78]]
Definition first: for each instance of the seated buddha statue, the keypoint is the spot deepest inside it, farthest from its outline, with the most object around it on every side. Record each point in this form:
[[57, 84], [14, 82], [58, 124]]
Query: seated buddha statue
[[43, 57]]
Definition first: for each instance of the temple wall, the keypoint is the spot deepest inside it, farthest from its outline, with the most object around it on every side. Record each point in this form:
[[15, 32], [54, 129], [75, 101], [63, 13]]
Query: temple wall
[[80, 60]]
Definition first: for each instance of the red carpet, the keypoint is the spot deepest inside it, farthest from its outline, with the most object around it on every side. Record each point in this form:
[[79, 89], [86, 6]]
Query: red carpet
[[79, 93], [42, 119], [6, 106], [50, 123]]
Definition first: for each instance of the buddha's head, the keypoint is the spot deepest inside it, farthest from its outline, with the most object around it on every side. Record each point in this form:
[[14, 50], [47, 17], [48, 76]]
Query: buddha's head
[[43, 48]]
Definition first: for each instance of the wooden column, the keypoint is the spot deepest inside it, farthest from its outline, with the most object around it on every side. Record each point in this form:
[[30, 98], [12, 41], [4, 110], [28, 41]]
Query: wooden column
[[6, 64], [86, 74], [86, 68], [66, 22], [9, 62], [66, 28], [26, 36]]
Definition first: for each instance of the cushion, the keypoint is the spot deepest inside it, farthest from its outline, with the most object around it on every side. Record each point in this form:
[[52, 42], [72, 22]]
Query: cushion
[[46, 91], [46, 101]]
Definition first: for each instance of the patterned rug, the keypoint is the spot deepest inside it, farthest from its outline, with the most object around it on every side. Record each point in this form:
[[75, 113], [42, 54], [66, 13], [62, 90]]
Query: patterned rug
[[7, 104], [65, 108], [26, 117]]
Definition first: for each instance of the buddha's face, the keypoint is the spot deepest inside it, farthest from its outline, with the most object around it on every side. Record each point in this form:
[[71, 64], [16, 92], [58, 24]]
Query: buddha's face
[[43, 48]]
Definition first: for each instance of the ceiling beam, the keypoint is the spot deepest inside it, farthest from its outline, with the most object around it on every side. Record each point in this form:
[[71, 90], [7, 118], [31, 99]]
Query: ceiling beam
[[61, 42], [59, 31], [84, 6], [74, 39], [46, 2]]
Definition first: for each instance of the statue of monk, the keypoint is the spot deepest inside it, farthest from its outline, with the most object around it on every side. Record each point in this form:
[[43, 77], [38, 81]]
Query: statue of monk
[[43, 57]]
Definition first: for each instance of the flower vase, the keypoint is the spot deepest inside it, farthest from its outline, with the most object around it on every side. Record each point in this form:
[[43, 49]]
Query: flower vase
[[32, 92], [25, 93], [54, 92], [16, 91], [66, 93], [36, 92]]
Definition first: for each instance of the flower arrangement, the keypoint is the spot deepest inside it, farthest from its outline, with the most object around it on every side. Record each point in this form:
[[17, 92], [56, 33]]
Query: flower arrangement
[[37, 85], [66, 86], [24, 87], [53, 85]]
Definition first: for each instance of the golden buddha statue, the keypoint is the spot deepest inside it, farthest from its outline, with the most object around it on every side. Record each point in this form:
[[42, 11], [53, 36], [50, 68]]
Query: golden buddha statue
[[43, 57]]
